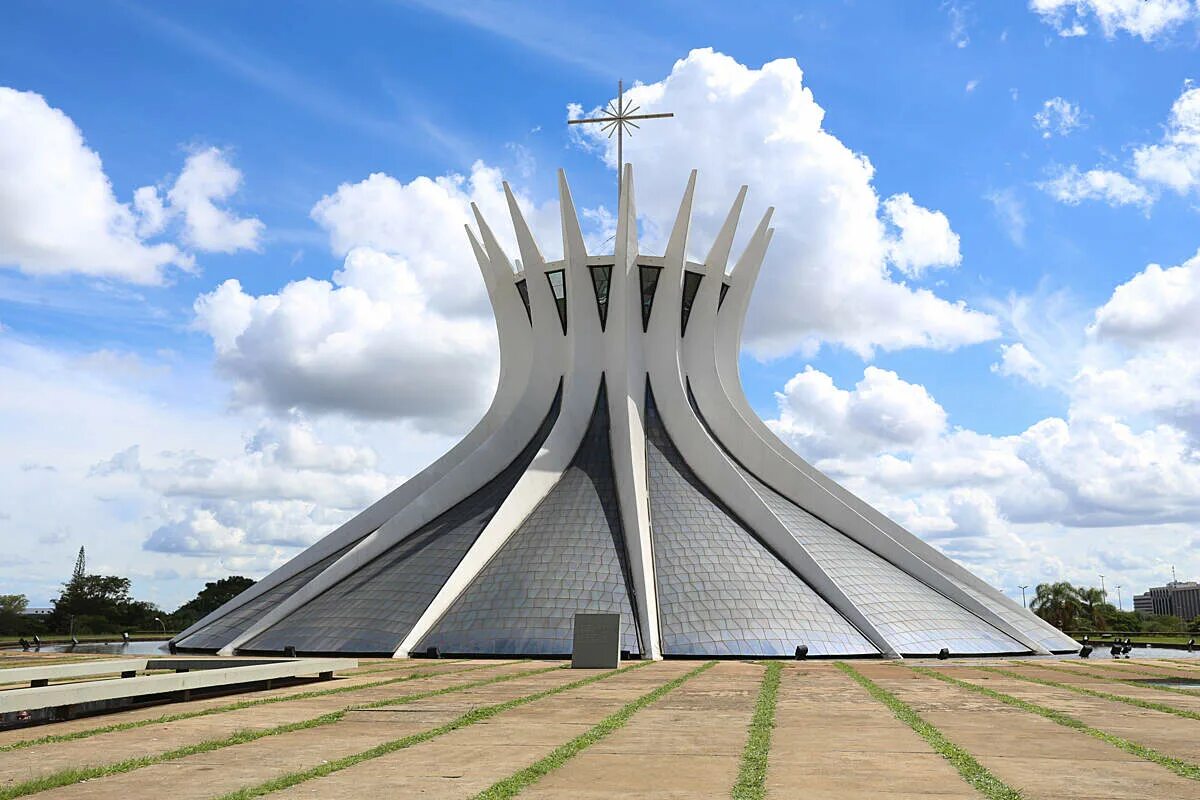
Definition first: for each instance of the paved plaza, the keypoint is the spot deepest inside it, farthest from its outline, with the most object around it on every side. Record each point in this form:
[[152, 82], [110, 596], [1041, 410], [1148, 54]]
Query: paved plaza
[[1028, 728]]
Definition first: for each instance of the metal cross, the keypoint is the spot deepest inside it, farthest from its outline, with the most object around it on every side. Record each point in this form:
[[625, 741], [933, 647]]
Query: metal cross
[[619, 120]]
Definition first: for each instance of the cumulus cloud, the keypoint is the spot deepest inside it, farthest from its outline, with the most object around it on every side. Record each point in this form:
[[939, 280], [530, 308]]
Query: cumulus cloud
[[831, 248], [1173, 163], [1150, 20], [58, 212], [1017, 361], [881, 414], [402, 331], [925, 238], [369, 342], [1058, 117], [1121, 464], [208, 178], [287, 489], [1155, 306], [1072, 187]]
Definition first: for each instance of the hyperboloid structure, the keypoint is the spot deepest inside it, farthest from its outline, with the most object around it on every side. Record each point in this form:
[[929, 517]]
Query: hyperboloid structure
[[620, 469]]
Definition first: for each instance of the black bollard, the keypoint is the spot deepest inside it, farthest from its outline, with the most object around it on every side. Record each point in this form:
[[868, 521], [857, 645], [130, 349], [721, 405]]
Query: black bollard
[[801, 652], [24, 644], [1085, 651], [290, 651], [433, 652], [944, 653], [1191, 645]]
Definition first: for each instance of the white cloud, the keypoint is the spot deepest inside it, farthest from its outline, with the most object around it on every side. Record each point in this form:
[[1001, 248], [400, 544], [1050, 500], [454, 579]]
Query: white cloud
[[1072, 187], [1175, 162], [1149, 20], [882, 413], [58, 213], [1058, 117], [422, 222], [1155, 306], [971, 86], [402, 331], [830, 251], [368, 343], [139, 475], [208, 178], [1116, 472], [925, 237], [1017, 361]]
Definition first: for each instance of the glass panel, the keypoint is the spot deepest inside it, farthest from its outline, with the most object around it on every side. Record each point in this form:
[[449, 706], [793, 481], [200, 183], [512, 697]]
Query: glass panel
[[691, 285], [558, 287], [649, 278], [601, 277], [568, 556], [372, 609], [523, 290]]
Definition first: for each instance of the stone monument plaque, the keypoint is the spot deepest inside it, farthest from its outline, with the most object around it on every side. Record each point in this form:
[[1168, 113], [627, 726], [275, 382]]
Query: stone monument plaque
[[597, 643]]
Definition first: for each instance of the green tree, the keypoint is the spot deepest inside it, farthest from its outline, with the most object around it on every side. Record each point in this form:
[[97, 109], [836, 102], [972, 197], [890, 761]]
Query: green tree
[[99, 604], [12, 613], [1162, 623], [1123, 621], [1058, 603], [214, 595], [1093, 610]]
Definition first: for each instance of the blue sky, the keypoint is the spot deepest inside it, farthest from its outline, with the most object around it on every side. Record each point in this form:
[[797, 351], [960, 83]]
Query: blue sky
[[1037, 144]]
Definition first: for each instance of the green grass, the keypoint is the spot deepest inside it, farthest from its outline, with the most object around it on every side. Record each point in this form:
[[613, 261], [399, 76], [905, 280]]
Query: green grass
[[752, 773], [1186, 769], [971, 770], [1141, 682], [470, 718], [206, 712], [76, 775], [1116, 698], [518, 781], [354, 673]]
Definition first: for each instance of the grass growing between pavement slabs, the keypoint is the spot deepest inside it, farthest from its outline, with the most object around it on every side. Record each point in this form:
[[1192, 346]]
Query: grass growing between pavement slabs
[[55, 738], [396, 668], [67, 777], [1133, 701], [470, 718], [1186, 769], [752, 773], [971, 770], [518, 781]]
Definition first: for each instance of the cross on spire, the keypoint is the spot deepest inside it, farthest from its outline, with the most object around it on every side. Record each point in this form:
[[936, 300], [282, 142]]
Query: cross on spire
[[619, 120]]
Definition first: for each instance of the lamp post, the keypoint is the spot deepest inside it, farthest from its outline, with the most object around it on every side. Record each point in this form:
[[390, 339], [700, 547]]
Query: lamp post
[[1103, 591], [1120, 605], [1023, 588], [163, 624]]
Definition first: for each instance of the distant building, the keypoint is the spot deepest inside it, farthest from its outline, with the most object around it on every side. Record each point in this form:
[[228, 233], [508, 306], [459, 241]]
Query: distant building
[[37, 611], [1143, 604], [1177, 598]]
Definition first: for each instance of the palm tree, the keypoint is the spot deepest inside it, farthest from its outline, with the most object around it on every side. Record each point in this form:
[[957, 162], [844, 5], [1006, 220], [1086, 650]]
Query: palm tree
[[1057, 603], [1093, 599]]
